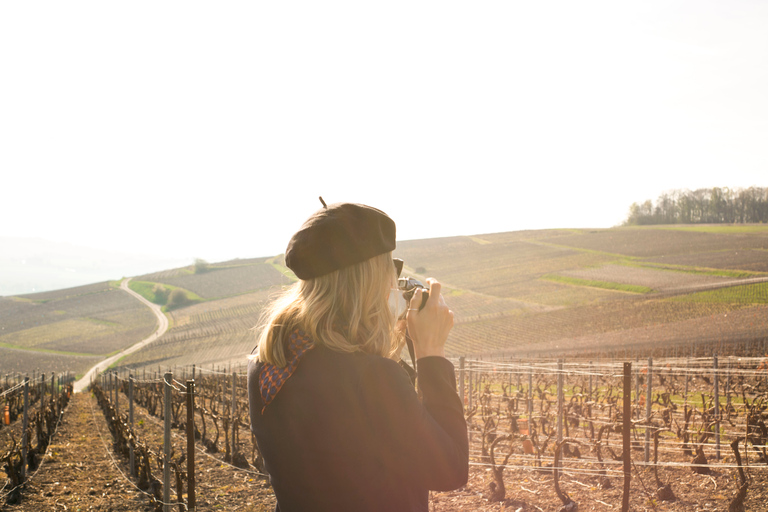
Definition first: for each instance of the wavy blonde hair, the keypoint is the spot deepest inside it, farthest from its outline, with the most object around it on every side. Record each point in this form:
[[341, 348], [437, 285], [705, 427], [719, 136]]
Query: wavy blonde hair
[[346, 310]]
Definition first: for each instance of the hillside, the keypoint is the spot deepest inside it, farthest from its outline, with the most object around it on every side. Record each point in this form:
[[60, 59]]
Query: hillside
[[529, 292]]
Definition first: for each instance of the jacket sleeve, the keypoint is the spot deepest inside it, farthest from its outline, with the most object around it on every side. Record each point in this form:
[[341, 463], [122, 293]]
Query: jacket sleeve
[[424, 441]]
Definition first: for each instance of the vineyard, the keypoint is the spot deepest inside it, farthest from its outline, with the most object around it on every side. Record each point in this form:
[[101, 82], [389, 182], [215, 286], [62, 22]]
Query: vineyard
[[543, 436], [540, 435], [30, 410], [69, 330]]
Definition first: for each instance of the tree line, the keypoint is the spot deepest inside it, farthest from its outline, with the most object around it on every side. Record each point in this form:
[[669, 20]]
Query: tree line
[[703, 206]]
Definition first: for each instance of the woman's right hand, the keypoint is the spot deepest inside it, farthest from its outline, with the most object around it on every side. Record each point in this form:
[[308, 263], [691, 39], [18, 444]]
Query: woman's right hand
[[429, 327]]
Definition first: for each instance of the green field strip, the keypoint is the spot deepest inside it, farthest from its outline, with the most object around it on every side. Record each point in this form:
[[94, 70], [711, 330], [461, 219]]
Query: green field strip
[[720, 229], [283, 270], [706, 271], [739, 294], [19, 299], [606, 285], [100, 321], [48, 351], [144, 288], [65, 297], [215, 267], [582, 249]]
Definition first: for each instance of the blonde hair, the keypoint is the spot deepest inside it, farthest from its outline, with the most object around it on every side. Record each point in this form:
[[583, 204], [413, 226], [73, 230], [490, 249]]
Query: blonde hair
[[346, 310]]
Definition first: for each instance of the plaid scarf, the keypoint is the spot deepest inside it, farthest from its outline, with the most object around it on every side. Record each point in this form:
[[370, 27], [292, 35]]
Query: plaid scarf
[[272, 378]]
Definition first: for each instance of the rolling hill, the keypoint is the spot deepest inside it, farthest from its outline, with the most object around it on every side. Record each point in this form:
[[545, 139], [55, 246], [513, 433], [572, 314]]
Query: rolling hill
[[676, 289]]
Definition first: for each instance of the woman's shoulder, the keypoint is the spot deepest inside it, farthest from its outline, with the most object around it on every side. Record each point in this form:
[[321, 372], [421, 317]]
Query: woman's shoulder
[[364, 362]]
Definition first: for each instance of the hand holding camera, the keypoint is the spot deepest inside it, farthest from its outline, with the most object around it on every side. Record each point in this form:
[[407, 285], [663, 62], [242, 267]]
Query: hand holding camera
[[428, 317]]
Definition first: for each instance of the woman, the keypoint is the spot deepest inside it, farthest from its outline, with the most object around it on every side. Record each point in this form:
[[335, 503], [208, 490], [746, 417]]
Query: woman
[[335, 416]]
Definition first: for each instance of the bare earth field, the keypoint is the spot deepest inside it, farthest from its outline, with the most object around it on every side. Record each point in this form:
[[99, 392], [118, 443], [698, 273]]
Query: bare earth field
[[657, 279], [53, 329], [23, 361]]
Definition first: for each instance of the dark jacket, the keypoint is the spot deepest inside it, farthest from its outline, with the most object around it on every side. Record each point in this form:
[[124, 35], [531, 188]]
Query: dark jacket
[[347, 432]]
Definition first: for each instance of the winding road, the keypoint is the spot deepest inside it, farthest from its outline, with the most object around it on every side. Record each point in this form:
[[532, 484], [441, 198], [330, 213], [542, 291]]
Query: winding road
[[81, 384]]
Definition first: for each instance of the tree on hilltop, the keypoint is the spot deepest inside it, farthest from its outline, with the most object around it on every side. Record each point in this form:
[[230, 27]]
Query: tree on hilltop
[[201, 266], [703, 206]]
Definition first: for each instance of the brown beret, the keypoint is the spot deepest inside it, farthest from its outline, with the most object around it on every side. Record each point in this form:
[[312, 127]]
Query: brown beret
[[337, 236]]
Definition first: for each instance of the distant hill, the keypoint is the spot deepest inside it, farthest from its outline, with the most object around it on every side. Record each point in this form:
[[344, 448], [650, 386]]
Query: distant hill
[[29, 265], [681, 290]]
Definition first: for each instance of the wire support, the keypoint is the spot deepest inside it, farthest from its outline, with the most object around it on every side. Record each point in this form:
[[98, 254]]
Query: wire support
[[45, 456], [175, 434], [114, 463], [12, 389]]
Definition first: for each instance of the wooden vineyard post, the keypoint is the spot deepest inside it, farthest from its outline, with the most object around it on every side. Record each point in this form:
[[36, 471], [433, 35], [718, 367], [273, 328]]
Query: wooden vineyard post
[[530, 399], [167, 445], [461, 380], [560, 410], [24, 426], [223, 391], [637, 388], [234, 412], [191, 444], [130, 422], [728, 389], [627, 452], [469, 382], [42, 395], [648, 400], [717, 407], [117, 396]]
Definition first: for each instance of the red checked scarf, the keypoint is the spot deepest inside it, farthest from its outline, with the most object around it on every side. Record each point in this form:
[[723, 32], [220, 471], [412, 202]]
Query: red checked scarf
[[272, 378]]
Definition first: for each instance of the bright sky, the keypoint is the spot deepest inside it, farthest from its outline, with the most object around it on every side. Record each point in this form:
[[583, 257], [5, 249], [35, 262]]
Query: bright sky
[[209, 129]]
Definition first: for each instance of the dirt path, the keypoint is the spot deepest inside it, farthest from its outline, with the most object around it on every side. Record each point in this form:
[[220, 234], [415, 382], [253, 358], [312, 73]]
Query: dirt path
[[79, 472], [162, 326]]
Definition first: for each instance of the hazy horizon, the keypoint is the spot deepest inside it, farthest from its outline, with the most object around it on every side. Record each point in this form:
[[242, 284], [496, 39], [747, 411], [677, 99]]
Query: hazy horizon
[[210, 130]]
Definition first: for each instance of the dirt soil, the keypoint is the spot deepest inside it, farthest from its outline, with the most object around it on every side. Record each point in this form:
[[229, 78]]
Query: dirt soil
[[82, 472]]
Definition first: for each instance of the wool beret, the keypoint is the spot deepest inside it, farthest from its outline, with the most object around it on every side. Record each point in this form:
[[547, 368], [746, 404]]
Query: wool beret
[[337, 236]]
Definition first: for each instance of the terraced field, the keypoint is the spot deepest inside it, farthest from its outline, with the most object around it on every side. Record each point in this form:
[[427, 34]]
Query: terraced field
[[224, 280], [69, 329], [548, 292], [598, 288], [216, 332]]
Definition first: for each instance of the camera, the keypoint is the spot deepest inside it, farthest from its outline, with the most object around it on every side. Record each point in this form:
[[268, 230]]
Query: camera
[[409, 285]]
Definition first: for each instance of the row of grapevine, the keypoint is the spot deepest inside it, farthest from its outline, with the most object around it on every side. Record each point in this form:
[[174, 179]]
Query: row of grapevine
[[566, 425], [31, 410]]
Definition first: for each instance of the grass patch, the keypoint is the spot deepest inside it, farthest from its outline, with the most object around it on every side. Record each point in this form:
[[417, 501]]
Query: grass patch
[[718, 228], [100, 321], [693, 270], [596, 252], [146, 290], [743, 294], [46, 351], [606, 285], [116, 363], [282, 269]]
